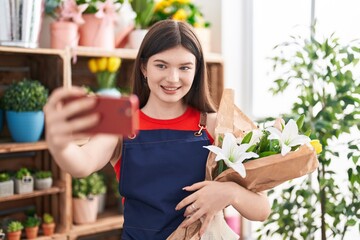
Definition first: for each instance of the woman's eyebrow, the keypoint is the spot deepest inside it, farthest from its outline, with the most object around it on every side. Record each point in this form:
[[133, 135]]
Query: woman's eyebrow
[[165, 62]]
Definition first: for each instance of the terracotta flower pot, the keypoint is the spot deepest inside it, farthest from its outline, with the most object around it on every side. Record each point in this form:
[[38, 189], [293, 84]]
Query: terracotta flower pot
[[64, 34], [97, 32], [13, 235], [48, 228], [31, 232]]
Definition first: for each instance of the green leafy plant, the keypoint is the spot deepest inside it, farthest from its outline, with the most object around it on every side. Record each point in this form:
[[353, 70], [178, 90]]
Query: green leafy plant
[[182, 10], [14, 226], [23, 172], [92, 185], [4, 177], [25, 96], [43, 174], [48, 218], [32, 221], [320, 207], [144, 10]]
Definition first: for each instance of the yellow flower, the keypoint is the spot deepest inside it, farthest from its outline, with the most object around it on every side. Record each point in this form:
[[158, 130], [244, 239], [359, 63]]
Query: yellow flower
[[113, 64], [92, 65], [183, 1], [316, 145], [180, 15], [101, 64]]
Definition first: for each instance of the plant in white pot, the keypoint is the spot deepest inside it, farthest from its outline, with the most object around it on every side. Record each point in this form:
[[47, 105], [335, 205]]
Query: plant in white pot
[[43, 180], [98, 188], [105, 69], [144, 10], [85, 204], [24, 182], [6, 185], [23, 102]]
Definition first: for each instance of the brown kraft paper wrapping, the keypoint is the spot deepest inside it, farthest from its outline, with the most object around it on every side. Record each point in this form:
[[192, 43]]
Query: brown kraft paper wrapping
[[261, 174]]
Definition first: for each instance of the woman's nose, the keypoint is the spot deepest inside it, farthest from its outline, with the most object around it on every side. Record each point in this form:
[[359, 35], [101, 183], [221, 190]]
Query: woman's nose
[[173, 76]]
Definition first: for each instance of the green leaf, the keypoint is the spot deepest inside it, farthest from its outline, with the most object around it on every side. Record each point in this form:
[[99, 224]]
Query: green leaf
[[268, 153], [247, 138], [351, 222], [300, 121]]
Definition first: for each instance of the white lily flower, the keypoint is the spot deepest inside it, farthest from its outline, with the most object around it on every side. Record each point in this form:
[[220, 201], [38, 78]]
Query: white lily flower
[[289, 137], [232, 154]]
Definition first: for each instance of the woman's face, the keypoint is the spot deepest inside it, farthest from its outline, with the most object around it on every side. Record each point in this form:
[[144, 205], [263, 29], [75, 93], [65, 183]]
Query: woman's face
[[170, 74]]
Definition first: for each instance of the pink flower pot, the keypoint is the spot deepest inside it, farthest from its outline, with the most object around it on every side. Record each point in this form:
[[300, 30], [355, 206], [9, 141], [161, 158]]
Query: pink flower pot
[[64, 34], [96, 32]]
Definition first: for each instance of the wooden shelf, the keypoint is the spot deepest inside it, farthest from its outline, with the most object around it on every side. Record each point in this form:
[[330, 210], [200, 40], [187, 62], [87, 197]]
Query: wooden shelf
[[11, 147], [106, 221], [35, 193], [53, 237]]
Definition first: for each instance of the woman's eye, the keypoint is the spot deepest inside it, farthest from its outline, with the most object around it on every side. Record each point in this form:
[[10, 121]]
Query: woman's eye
[[161, 66], [185, 68]]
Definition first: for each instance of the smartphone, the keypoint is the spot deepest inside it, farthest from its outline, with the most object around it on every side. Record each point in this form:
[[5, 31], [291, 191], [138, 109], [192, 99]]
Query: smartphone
[[119, 116]]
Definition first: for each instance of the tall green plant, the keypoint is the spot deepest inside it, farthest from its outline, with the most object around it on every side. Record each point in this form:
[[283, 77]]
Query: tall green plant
[[323, 71], [144, 10]]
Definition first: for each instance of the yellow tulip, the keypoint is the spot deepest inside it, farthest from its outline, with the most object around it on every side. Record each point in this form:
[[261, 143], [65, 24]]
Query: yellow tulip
[[180, 15], [113, 64], [183, 1], [102, 64], [92, 65], [316, 145]]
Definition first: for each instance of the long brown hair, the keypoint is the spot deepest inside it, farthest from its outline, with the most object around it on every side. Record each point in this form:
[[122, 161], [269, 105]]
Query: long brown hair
[[162, 36]]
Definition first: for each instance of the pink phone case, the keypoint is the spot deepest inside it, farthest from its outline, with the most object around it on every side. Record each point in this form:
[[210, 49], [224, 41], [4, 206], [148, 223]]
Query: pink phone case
[[118, 116]]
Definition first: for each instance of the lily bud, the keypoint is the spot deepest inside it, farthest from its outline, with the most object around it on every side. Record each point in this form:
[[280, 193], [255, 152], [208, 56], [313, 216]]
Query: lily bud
[[279, 124], [101, 64], [113, 64]]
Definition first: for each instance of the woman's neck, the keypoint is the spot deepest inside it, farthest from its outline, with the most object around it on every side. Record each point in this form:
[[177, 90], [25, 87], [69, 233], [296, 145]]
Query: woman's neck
[[164, 111]]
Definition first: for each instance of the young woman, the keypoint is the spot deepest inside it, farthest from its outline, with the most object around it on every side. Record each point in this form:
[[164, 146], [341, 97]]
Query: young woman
[[161, 170]]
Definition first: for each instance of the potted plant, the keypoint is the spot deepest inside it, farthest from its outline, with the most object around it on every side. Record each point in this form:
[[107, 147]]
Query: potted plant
[[48, 225], [31, 225], [100, 17], [184, 11], [6, 185], [14, 229], [43, 180], [106, 69], [23, 103], [98, 189], [85, 204], [144, 10], [64, 30], [24, 182]]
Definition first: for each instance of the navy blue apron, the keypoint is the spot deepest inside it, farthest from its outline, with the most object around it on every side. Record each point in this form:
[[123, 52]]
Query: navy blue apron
[[155, 166]]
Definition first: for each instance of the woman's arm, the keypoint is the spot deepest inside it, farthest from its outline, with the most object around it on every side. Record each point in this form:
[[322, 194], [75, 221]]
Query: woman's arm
[[61, 131]]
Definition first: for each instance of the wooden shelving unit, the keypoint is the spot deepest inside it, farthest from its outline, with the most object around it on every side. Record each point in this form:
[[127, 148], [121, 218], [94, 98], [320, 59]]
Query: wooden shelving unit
[[56, 68]]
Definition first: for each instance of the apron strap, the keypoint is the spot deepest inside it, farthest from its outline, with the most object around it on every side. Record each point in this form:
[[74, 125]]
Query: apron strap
[[202, 124]]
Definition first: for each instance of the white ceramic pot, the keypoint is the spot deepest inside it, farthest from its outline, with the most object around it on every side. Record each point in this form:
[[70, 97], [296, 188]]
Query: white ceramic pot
[[44, 183], [6, 188], [136, 37]]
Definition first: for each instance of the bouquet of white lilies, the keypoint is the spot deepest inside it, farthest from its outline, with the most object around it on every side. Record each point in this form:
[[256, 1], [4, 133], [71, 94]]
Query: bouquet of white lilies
[[255, 159]]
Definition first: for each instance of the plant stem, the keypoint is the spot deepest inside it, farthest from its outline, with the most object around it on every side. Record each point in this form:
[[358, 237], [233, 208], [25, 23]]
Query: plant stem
[[322, 202]]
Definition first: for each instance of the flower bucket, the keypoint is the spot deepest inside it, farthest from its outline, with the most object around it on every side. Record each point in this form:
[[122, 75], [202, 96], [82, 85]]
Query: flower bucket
[[6, 188], [41, 184], [85, 210], [20, 22], [25, 126], [64, 34], [136, 37], [96, 32]]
